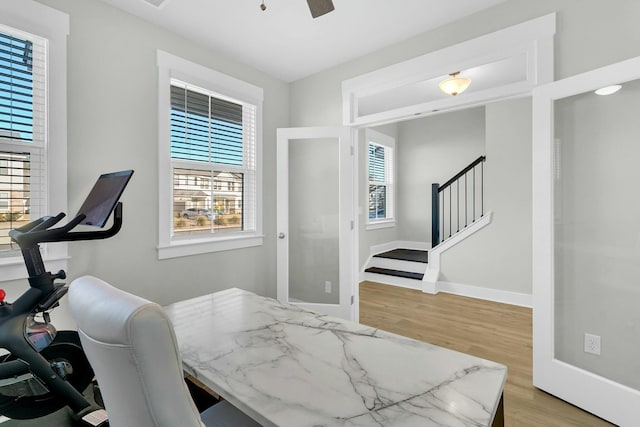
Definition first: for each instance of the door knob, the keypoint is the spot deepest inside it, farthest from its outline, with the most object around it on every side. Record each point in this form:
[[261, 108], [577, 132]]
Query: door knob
[[281, 236]]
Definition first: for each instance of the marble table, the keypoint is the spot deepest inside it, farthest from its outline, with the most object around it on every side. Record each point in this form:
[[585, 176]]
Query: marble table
[[285, 366]]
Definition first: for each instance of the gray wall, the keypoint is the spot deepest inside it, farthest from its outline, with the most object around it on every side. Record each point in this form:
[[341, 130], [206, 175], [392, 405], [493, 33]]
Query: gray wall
[[587, 37], [112, 112], [432, 150], [499, 256], [112, 125]]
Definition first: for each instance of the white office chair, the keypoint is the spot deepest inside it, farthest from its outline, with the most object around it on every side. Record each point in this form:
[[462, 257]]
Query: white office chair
[[132, 348]]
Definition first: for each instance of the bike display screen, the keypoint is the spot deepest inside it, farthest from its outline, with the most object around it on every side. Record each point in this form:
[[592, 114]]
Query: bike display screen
[[103, 197]]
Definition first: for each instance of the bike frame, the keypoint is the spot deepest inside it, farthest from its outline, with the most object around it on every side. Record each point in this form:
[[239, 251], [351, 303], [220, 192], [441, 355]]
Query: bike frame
[[43, 295]]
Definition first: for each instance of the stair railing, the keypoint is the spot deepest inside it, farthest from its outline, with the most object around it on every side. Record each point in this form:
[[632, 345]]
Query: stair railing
[[453, 207]]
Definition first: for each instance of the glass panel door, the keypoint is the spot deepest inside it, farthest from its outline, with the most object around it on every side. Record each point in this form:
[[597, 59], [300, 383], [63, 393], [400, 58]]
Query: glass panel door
[[597, 233], [586, 241], [314, 249]]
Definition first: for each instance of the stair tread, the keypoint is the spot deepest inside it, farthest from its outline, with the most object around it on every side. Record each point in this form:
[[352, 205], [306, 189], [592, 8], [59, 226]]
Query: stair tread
[[406, 255], [397, 273]]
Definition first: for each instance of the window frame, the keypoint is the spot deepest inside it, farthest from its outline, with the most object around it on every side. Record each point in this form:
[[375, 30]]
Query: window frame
[[171, 67], [29, 18], [389, 144]]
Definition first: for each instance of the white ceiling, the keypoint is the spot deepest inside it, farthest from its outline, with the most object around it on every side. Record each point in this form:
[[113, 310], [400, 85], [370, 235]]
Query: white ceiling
[[285, 42]]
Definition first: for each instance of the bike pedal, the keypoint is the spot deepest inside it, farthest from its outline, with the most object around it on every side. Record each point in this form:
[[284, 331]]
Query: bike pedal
[[96, 418]]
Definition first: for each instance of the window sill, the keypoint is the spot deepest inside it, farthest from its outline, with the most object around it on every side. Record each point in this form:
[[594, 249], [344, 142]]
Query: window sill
[[377, 225], [188, 247], [14, 268]]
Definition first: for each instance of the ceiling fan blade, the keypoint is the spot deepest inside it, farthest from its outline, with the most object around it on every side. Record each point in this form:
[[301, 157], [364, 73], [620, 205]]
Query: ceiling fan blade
[[320, 7]]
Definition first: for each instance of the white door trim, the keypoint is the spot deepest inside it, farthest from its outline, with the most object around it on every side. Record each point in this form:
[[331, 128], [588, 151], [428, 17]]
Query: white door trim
[[532, 40]]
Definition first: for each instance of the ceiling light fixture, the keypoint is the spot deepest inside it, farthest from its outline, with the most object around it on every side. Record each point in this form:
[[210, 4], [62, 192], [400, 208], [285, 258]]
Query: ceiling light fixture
[[454, 84], [263, 6], [609, 90]]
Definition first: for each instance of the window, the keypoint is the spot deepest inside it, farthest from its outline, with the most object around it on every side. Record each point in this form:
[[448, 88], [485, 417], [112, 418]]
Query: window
[[32, 125], [380, 171], [208, 144], [209, 171]]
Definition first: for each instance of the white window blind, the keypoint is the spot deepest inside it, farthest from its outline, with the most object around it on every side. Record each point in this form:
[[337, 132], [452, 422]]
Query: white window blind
[[213, 156], [22, 131], [205, 128], [380, 182]]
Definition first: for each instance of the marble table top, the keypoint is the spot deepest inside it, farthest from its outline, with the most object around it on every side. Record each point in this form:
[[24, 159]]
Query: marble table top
[[285, 366]]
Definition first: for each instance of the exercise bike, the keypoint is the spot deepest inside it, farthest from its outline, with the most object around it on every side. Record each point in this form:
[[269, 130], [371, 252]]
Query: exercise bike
[[46, 369]]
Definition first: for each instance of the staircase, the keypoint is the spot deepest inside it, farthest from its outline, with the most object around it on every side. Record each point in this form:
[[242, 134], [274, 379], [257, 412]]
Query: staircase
[[457, 213], [457, 203], [400, 267]]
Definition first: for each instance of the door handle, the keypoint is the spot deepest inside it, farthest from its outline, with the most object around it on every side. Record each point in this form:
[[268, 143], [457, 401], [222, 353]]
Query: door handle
[[281, 236]]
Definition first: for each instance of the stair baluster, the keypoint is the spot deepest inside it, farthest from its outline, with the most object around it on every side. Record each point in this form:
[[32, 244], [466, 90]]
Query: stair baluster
[[438, 205]]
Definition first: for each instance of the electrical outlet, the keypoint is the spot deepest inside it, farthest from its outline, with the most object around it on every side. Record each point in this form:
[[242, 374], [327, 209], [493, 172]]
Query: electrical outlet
[[327, 287], [592, 344]]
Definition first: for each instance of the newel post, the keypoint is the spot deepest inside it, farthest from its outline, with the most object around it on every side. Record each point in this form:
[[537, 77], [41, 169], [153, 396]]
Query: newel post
[[435, 215]]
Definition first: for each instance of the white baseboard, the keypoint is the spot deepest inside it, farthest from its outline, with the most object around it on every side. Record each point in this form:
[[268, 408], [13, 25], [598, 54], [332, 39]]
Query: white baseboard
[[489, 294], [404, 244], [418, 246], [383, 247], [477, 292]]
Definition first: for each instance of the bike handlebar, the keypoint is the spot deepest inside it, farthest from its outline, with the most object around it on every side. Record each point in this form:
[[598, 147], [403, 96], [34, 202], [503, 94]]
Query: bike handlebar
[[39, 224], [40, 231]]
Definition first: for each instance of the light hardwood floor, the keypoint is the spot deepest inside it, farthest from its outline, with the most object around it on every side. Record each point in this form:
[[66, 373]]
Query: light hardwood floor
[[494, 331]]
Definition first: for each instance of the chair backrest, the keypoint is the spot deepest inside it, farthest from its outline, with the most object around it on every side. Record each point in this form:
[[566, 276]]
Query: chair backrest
[[132, 348]]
